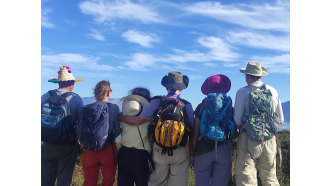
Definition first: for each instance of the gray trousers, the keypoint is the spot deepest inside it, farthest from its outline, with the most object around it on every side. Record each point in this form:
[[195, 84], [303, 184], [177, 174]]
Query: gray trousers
[[57, 162], [210, 171], [173, 168]]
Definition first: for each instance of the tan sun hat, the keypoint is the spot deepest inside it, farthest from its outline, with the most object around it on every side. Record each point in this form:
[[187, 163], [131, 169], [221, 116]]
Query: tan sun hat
[[64, 74], [133, 105], [254, 68]]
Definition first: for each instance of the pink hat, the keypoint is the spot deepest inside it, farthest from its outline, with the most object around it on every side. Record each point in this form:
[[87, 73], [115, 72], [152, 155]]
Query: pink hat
[[216, 84]]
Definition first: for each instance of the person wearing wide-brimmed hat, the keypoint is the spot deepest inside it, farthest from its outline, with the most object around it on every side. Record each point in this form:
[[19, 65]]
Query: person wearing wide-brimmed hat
[[134, 141], [254, 155], [58, 160], [211, 157], [173, 168]]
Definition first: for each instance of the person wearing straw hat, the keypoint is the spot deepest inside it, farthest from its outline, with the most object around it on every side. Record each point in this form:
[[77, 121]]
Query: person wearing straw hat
[[254, 154], [58, 159], [171, 167], [211, 154], [134, 142]]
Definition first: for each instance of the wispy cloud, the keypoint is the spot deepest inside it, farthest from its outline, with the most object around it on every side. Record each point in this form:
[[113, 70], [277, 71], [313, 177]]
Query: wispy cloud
[[219, 50], [191, 77], [139, 62], [268, 17], [78, 61], [275, 64], [104, 11], [260, 40], [96, 35], [45, 22], [140, 38]]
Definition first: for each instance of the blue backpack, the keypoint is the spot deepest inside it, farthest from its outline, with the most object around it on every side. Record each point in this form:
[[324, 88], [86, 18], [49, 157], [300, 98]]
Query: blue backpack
[[56, 119], [216, 120], [94, 128]]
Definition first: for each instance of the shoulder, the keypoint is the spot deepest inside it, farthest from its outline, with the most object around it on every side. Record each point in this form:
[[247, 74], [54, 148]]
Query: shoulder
[[76, 98], [157, 98], [243, 90], [185, 101], [272, 90], [113, 107]]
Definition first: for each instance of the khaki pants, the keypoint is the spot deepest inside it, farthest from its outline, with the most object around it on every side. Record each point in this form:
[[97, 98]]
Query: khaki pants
[[252, 156], [173, 168]]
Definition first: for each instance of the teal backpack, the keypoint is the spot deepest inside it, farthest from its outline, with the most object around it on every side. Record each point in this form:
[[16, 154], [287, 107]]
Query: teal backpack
[[216, 119], [261, 122]]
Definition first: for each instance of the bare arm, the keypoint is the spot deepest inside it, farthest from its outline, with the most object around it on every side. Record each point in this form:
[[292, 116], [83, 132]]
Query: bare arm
[[132, 120], [195, 133]]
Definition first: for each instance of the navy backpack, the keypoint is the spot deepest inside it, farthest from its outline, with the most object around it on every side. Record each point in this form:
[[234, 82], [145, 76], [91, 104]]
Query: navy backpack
[[56, 119], [94, 129]]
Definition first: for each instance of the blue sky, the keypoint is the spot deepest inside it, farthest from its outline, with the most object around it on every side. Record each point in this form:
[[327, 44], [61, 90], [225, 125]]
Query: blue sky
[[136, 43]]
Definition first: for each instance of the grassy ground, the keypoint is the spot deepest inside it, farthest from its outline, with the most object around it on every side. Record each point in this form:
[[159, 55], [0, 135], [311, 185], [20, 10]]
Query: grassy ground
[[283, 173], [78, 177]]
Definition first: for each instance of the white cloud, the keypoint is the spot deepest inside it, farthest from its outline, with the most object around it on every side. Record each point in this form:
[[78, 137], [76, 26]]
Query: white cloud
[[96, 35], [139, 62], [219, 51], [104, 11], [191, 77], [259, 40], [75, 60], [45, 19], [275, 64], [141, 38], [268, 17]]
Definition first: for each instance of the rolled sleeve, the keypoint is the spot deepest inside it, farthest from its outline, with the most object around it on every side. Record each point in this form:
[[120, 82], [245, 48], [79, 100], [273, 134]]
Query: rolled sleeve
[[239, 107], [279, 111]]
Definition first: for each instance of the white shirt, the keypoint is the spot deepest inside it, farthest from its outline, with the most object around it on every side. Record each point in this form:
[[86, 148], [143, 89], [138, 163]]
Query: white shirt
[[242, 98]]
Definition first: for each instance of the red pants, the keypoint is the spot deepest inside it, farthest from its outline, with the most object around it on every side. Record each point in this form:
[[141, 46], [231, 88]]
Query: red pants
[[105, 159]]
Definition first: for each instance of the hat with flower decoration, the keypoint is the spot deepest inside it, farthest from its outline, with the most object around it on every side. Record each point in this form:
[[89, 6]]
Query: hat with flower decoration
[[64, 75]]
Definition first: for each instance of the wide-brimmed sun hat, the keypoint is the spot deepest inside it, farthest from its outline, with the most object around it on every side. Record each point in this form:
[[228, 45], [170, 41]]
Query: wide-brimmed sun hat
[[133, 105], [216, 84], [64, 75], [254, 68], [175, 80]]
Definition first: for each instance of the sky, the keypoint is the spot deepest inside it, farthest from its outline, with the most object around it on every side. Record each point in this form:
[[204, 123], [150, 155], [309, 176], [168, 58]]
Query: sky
[[136, 43]]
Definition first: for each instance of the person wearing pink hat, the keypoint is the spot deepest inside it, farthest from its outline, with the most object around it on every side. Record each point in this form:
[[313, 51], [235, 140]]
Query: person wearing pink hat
[[213, 131], [258, 111], [59, 147]]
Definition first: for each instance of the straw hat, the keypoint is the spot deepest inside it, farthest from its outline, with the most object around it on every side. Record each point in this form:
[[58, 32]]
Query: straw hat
[[216, 84], [133, 105], [175, 80], [254, 68], [64, 74]]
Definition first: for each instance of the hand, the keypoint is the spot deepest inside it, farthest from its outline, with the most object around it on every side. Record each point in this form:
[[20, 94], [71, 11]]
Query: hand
[[191, 161]]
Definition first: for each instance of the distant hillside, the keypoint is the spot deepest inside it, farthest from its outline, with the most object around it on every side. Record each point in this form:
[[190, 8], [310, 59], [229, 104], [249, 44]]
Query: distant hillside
[[88, 100], [286, 113]]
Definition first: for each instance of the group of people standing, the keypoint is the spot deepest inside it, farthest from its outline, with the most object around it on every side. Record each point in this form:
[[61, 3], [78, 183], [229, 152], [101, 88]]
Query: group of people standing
[[162, 136]]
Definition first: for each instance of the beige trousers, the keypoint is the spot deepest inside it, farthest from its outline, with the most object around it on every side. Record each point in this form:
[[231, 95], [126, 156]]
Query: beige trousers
[[252, 156], [173, 168]]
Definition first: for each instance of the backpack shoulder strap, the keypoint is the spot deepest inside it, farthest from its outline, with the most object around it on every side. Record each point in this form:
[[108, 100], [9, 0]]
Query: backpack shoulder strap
[[68, 94], [52, 93]]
